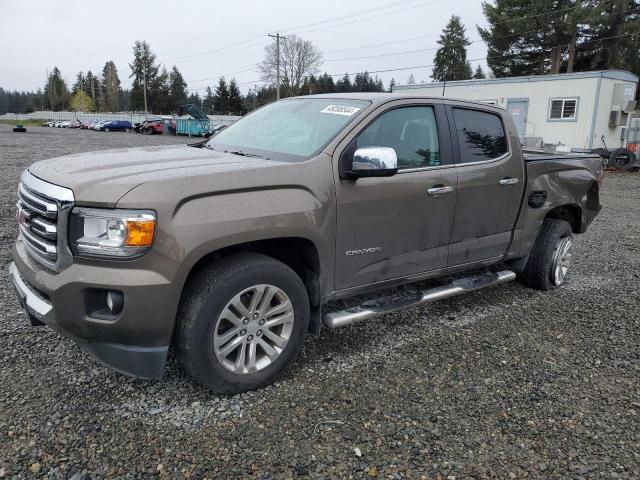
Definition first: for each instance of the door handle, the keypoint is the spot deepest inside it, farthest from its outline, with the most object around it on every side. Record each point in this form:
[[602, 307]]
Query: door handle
[[509, 181], [439, 189]]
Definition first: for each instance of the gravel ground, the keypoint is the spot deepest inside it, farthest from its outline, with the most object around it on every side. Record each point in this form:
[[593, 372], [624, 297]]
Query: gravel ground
[[503, 383]]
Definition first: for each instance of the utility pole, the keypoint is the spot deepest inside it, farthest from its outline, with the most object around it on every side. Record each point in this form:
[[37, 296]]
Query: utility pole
[[277, 36], [144, 88]]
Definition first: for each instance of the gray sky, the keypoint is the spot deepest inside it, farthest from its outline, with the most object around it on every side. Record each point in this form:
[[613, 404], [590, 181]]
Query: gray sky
[[82, 35]]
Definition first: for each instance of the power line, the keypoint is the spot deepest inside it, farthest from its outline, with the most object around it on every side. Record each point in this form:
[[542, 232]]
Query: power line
[[483, 58], [355, 14], [224, 75], [552, 12], [383, 43], [405, 52], [372, 17], [226, 49], [215, 50]]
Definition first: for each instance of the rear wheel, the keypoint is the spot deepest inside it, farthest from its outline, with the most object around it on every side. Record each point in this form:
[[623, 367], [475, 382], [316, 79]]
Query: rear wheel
[[106, 129], [242, 322], [550, 258]]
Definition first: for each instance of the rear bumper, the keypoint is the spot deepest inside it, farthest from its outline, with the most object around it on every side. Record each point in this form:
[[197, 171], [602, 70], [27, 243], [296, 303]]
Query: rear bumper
[[135, 343]]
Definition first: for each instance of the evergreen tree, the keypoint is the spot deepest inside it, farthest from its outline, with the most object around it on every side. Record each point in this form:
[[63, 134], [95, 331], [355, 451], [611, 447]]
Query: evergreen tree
[[536, 38], [110, 88], [363, 82], [608, 38], [250, 100], [56, 91], [234, 104], [91, 86], [79, 83], [344, 84], [195, 99], [177, 89], [159, 93], [222, 97], [145, 65], [479, 73], [411, 80], [450, 62], [208, 102]]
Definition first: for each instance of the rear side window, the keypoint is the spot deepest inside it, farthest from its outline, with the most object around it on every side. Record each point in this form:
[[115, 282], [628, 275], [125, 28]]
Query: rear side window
[[410, 131], [480, 134]]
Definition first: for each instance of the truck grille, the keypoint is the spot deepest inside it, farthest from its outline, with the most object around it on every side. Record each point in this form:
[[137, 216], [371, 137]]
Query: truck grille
[[42, 217]]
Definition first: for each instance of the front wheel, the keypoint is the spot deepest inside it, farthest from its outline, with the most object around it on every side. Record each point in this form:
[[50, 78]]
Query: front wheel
[[242, 323], [550, 258]]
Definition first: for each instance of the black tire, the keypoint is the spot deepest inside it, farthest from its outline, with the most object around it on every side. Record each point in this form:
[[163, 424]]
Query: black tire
[[538, 272], [204, 298], [148, 131], [622, 159], [19, 130], [107, 129]]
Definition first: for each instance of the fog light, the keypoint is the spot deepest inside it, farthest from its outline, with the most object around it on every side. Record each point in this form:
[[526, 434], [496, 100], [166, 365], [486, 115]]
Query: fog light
[[115, 301]]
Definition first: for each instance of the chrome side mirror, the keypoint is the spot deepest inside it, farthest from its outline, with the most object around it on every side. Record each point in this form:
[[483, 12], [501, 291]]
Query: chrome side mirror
[[374, 162]]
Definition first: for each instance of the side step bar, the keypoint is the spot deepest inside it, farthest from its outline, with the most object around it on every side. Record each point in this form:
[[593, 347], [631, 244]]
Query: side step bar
[[384, 305]]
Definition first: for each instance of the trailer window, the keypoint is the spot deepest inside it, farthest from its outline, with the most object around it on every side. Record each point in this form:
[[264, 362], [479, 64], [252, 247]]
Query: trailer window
[[481, 135], [563, 109]]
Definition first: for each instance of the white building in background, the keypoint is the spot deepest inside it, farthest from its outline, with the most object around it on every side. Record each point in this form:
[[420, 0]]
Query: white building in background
[[571, 109]]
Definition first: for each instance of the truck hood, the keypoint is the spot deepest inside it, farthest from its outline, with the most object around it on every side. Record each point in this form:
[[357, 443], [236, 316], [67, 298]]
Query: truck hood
[[102, 178]]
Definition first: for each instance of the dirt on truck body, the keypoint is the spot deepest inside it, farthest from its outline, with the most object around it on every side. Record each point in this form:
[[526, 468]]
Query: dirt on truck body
[[229, 250]]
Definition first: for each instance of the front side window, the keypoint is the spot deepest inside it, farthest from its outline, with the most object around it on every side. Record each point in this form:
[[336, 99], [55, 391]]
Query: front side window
[[289, 129], [563, 109], [481, 135], [411, 131]]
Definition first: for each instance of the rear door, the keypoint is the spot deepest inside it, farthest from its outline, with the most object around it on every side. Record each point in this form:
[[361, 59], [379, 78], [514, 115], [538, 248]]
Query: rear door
[[394, 227], [490, 184]]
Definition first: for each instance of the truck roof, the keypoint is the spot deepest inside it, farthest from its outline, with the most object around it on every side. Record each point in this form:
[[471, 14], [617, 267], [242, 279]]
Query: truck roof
[[383, 97]]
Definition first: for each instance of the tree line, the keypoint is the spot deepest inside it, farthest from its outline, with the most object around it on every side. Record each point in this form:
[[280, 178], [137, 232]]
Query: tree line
[[545, 37], [522, 38]]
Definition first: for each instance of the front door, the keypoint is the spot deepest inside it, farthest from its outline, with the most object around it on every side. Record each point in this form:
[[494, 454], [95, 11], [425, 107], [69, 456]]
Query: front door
[[398, 226], [519, 109], [490, 185]]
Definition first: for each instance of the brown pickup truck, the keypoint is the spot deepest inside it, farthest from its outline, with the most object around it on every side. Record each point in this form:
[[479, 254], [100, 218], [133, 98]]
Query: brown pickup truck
[[229, 250]]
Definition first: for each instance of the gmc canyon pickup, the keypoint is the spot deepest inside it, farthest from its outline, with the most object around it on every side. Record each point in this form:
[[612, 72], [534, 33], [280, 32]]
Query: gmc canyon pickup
[[228, 249]]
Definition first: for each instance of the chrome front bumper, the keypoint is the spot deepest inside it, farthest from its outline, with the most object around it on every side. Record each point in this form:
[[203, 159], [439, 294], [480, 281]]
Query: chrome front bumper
[[35, 305]]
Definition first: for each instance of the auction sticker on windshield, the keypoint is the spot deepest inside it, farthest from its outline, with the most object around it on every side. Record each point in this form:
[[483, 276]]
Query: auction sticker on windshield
[[340, 110]]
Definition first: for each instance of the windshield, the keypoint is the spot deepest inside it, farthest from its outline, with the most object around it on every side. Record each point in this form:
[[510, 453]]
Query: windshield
[[298, 127]]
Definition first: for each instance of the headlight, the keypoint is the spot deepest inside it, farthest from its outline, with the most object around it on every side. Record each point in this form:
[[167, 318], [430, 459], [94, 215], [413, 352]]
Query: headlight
[[97, 232]]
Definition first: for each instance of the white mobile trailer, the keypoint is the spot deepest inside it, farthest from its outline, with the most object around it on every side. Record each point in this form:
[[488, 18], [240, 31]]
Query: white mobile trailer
[[570, 109]]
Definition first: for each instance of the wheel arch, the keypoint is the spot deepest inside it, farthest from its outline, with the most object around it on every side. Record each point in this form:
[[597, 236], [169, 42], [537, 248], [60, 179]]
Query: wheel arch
[[571, 213], [299, 253]]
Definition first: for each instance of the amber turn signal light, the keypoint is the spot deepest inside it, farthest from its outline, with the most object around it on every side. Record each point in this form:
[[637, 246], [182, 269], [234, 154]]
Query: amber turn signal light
[[140, 233]]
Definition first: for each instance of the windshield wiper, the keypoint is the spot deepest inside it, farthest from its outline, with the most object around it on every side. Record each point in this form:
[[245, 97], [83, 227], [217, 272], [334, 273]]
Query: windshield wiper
[[245, 154]]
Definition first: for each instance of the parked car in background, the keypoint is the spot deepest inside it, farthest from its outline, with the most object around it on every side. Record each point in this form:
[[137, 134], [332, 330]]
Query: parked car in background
[[117, 125], [86, 124], [149, 127], [98, 125], [74, 124], [64, 124]]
